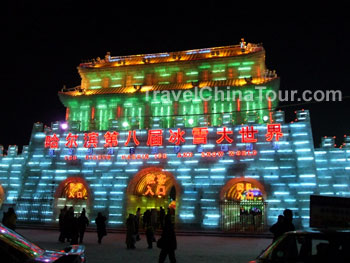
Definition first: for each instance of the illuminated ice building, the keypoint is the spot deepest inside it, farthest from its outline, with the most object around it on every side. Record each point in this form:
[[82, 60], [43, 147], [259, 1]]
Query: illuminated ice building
[[171, 129]]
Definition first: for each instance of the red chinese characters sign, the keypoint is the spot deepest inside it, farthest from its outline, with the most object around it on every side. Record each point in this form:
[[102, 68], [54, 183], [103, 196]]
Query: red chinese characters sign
[[200, 135], [155, 185], [75, 191]]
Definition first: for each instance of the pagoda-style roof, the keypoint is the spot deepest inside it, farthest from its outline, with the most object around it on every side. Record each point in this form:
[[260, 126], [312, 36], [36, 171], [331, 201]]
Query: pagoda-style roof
[[77, 91], [178, 56]]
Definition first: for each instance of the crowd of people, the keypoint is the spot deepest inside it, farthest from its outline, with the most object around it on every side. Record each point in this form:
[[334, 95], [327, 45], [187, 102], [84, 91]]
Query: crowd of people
[[72, 228], [151, 221]]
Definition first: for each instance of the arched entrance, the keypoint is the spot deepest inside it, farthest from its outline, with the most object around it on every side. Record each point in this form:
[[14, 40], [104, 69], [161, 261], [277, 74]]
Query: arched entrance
[[75, 192], [152, 188], [2, 195], [243, 206]]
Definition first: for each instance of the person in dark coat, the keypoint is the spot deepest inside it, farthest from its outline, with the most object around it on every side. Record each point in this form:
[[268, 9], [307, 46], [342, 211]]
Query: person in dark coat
[[68, 223], [161, 217], [101, 226], [83, 222], [74, 231], [62, 236], [150, 236], [277, 228], [288, 221], [146, 218], [130, 232], [9, 219], [137, 223], [154, 218], [167, 242]]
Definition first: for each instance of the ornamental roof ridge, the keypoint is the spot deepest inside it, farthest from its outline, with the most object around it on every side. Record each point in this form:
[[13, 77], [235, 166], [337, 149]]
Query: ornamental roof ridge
[[175, 56]]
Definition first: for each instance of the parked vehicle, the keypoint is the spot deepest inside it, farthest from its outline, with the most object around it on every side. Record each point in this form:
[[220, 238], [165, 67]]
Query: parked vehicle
[[14, 248], [309, 246]]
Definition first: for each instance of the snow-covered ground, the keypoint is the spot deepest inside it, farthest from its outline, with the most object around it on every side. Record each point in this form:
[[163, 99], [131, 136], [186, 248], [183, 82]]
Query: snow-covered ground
[[190, 248]]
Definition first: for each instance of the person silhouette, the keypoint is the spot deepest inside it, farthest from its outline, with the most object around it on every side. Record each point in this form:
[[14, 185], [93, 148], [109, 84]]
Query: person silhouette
[[288, 221], [167, 241], [161, 217], [277, 228], [83, 222], [130, 232], [62, 235], [137, 223], [100, 221]]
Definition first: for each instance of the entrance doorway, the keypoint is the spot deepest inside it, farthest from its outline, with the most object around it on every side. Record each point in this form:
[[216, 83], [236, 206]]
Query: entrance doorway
[[150, 189], [72, 192], [242, 206]]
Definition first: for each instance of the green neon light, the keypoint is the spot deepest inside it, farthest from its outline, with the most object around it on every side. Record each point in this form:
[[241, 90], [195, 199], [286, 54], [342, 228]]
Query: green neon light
[[218, 70], [95, 87], [215, 116], [192, 73], [160, 70], [95, 80], [248, 63], [244, 76], [244, 68], [192, 80], [73, 104], [85, 119], [139, 77], [235, 64], [219, 79], [165, 75], [116, 85], [164, 82], [167, 102], [101, 106], [110, 113], [100, 119], [204, 66], [116, 78]]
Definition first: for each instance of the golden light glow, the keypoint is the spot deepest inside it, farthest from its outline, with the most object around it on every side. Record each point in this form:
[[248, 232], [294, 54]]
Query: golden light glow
[[153, 184], [187, 55], [75, 191], [243, 191], [172, 205]]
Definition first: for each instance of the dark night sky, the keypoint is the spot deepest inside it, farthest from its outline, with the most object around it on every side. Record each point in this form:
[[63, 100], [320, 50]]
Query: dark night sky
[[42, 46]]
